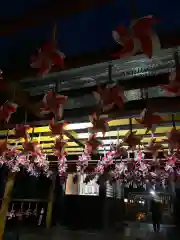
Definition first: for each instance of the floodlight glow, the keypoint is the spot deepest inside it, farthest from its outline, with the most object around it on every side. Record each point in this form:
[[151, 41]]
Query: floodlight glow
[[152, 192]]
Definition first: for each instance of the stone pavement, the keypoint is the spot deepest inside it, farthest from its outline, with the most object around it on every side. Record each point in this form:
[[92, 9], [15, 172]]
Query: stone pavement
[[133, 231]]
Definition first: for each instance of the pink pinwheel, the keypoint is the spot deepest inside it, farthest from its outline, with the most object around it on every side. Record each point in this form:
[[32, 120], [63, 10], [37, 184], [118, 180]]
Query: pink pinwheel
[[99, 168], [82, 162], [47, 57], [108, 159], [53, 103], [62, 165], [120, 169], [140, 37], [171, 161], [39, 158], [139, 156], [23, 159], [6, 110]]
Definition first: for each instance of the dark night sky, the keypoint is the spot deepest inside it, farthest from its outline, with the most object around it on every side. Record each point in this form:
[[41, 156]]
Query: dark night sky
[[83, 32]]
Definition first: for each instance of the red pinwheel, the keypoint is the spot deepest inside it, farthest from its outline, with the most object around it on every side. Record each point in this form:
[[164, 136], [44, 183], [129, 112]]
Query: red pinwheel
[[99, 123], [3, 147], [154, 147], [57, 127], [53, 103], [48, 56], [174, 83], [110, 96], [59, 146], [31, 147], [21, 131], [139, 38], [92, 144], [6, 110], [148, 119], [173, 139], [132, 140]]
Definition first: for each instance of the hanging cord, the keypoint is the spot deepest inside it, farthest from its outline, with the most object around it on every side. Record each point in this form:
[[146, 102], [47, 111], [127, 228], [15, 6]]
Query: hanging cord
[[176, 58], [32, 134], [173, 121], [133, 9], [7, 135], [130, 125], [130, 129], [110, 80], [54, 33]]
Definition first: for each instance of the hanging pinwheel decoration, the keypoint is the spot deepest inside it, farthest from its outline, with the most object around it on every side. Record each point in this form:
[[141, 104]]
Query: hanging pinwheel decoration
[[81, 166], [170, 163], [62, 166], [59, 147], [149, 120], [82, 162], [57, 128], [132, 140], [140, 37], [6, 110], [109, 96], [119, 150], [20, 131], [154, 147], [99, 123], [92, 144], [47, 57], [120, 170], [173, 88], [53, 103], [173, 139]]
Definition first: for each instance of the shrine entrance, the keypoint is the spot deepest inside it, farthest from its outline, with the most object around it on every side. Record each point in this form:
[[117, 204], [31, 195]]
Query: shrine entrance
[[138, 206]]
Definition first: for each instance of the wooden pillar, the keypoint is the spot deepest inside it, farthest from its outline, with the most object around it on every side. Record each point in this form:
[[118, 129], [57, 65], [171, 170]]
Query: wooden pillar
[[50, 203], [5, 202]]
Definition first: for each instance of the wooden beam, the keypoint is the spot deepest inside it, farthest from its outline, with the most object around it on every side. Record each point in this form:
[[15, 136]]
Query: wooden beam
[[53, 11]]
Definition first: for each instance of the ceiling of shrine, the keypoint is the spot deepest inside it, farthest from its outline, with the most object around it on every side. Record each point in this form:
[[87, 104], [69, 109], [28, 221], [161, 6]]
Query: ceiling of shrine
[[80, 131]]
